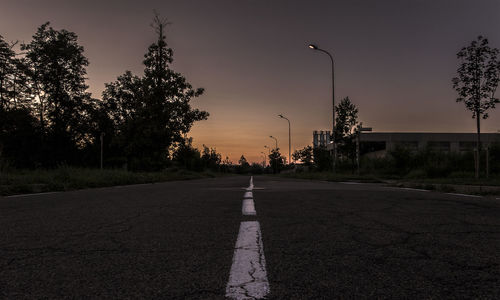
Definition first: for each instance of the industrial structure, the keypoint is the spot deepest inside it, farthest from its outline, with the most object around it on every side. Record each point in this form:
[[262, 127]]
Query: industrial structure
[[379, 143]]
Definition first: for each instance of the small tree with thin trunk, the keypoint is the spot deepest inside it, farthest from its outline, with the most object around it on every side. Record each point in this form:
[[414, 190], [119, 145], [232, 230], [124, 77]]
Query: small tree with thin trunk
[[477, 81]]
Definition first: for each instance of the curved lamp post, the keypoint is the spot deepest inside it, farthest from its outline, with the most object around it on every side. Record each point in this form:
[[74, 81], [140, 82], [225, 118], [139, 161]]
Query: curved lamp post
[[315, 47], [289, 138], [276, 140]]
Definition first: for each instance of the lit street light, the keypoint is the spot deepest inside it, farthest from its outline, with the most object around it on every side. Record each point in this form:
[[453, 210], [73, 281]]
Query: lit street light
[[315, 47], [289, 138], [276, 140]]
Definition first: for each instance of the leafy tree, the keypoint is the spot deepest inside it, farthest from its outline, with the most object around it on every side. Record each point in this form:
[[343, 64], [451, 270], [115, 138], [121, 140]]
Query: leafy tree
[[14, 92], [477, 81], [276, 160], [56, 68], [187, 156], [322, 158], [7, 70], [243, 162], [152, 112], [305, 155], [211, 159], [346, 121]]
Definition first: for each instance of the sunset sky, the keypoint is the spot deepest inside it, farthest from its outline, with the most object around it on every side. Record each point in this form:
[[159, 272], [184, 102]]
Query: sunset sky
[[394, 59]]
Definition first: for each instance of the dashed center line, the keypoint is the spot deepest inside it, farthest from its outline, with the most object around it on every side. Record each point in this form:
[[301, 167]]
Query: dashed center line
[[248, 207], [248, 276]]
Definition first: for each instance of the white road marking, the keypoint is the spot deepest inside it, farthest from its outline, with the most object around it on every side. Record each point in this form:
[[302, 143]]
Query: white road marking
[[248, 277], [248, 208], [412, 189], [248, 195], [350, 182], [464, 195], [29, 195]]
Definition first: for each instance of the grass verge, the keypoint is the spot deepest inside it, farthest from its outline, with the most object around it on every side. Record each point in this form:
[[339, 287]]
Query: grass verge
[[471, 186], [329, 176], [70, 178]]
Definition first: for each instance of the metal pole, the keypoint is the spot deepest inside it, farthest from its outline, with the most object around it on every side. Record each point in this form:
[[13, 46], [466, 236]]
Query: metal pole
[[102, 140], [334, 140], [289, 138], [276, 140]]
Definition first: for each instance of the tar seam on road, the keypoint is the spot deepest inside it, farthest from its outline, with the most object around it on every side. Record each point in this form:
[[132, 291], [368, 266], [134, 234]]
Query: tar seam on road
[[248, 275]]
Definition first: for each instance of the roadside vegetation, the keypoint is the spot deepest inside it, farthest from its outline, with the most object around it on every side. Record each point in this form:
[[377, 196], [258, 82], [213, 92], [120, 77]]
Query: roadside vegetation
[[72, 178]]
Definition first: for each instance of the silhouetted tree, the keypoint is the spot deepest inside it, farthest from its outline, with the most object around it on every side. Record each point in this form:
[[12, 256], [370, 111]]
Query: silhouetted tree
[[187, 156], [243, 162], [322, 158], [346, 122], [276, 160], [152, 112], [211, 159], [56, 68], [7, 71], [305, 155], [477, 81]]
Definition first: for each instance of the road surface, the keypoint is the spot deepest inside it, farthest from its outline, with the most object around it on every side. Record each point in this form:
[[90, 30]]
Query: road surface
[[311, 240]]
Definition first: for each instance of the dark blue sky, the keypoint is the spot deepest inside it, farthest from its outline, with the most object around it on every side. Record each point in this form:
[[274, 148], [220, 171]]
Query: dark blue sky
[[394, 59]]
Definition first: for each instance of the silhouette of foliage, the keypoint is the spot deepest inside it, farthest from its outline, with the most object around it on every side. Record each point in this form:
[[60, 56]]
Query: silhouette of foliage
[[56, 68], [322, 158], [346, 122], [305, 155], [152, 112], [477, 81], [276, 160]]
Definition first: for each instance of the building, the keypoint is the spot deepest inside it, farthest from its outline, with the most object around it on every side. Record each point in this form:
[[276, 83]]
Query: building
[[321, 138], [379, 143]]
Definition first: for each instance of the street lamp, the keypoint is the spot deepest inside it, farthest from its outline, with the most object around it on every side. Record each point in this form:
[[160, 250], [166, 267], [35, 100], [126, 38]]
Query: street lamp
[[289, 138], [268, 149], [315, 47], [276, 140]]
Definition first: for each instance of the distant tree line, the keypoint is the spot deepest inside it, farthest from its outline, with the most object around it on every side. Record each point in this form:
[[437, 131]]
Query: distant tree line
[[48, 117]]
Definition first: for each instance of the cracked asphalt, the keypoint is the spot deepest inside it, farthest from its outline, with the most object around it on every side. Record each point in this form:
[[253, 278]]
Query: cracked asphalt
[[321, 240]]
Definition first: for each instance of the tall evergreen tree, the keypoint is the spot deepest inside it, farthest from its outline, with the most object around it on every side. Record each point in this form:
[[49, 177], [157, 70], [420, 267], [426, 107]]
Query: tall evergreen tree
[[152, 112]]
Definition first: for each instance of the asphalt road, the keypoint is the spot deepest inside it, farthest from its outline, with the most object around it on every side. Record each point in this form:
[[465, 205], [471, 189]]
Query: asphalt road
[[321, 241]]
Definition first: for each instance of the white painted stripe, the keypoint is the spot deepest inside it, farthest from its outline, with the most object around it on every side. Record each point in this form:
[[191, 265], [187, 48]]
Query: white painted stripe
[[417, 190], [464, 195], [29, 195], [248, 277], [251, 184], [248, 208], [248, 195], [350, 182]]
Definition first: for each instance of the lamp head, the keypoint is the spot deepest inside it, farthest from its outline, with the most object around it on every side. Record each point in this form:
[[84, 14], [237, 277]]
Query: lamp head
[[312, 46], [281, 116]]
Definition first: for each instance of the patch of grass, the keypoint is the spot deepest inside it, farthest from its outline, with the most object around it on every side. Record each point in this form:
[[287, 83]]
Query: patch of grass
[[71, 178], [329, 176]]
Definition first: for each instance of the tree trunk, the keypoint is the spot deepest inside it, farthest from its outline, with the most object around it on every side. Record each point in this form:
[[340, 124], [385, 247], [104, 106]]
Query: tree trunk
[[478, 144]]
